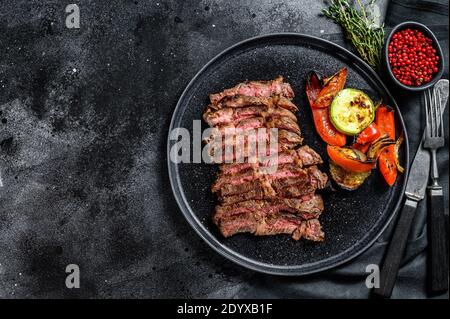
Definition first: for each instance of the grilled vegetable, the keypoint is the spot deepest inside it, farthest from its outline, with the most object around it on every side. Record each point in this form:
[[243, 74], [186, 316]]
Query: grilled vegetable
[[360, 28], [331, 87], [397, 147], [313, 88], [322, 123], [385, 120], [352, 111], [363, 148], [369, 134], [350, 159], [326, 130], [388, 169], [387, 159], [345, 179], [377, 147]]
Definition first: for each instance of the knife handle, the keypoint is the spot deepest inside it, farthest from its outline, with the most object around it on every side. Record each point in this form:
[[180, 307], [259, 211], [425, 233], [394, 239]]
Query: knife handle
[[396, 249], [439, 261]]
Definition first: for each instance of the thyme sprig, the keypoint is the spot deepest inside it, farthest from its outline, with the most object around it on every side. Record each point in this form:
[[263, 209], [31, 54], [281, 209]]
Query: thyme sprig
[[359, 28]]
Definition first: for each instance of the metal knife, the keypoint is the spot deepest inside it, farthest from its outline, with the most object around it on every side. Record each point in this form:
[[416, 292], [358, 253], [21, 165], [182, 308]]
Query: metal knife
[[415, 191]]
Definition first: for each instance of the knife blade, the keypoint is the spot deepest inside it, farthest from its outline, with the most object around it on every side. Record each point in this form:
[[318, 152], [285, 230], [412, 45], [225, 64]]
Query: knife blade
[[415, 191]]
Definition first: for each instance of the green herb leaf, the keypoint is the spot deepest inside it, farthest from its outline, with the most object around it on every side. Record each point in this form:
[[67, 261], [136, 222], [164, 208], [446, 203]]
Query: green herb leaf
[[359, 29]]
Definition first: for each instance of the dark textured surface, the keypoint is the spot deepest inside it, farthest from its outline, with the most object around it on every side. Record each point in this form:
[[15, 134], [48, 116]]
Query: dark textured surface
[[83, 131], [348, 224]]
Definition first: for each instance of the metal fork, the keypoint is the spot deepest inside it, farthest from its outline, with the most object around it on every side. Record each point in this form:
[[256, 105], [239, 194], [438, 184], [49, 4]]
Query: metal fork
[[434, 139]]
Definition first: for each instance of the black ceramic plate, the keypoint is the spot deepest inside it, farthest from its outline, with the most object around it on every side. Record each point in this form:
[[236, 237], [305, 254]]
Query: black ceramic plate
[[352, 221]]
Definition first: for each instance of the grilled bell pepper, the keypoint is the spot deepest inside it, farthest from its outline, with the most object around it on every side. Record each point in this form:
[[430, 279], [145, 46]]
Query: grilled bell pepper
[[350, 159], [369, 134], [387, 159], [331, 87], [321, 117]]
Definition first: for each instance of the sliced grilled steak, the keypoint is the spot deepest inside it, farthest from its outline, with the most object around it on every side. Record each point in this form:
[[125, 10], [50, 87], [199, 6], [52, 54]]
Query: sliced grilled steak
[[285, 123], [269, 192], [310, 206], [303, 156], [265, 197], [257, 89], [263, 188], [238, 101], [229, 133], [241, 150], [309, 229], [281, 224], [234, 116], [248, 182], [284, 172]]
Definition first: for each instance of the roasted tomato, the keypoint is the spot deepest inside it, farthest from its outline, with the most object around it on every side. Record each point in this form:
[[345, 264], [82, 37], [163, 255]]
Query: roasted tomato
[[321, 117], [349, 159], [387, 160], [331, 87]]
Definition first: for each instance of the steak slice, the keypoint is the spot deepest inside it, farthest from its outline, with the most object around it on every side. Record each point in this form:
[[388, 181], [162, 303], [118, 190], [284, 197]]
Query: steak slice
[[244, 124], [288, 174], [281, 224], [302, 157], [310, 206], [264, 188], [309, 229], [238, 101], [257, 89], [234, 116], [229, 133], [270, 192], [240, 151]]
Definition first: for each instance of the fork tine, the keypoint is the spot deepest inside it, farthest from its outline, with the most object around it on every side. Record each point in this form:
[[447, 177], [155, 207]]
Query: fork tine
[[431, 109], [441, 118], [440, 121], [437, 112], [432, 113], [437, 108], [427, 114]]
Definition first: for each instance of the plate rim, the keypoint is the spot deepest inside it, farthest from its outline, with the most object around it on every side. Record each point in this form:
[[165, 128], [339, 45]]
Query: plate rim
[[230, 254]]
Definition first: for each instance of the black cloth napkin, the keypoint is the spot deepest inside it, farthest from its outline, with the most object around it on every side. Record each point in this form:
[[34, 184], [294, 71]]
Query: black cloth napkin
[[348, 280]]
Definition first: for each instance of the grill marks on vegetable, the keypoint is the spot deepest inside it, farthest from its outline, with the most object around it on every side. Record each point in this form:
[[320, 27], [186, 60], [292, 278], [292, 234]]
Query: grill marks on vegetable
[[251, 201]]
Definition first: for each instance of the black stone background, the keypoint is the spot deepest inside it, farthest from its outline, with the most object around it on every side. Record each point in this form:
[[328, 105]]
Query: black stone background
[[84, 118]]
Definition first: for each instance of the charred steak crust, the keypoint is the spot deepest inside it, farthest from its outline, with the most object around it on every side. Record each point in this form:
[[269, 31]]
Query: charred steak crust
[[264, 197]]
